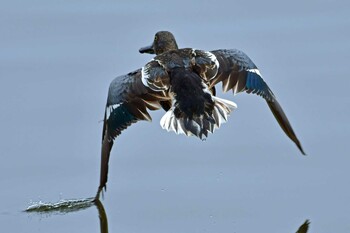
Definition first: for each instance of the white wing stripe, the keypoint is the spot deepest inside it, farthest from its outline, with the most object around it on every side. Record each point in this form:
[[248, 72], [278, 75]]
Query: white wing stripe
[[111, 108]]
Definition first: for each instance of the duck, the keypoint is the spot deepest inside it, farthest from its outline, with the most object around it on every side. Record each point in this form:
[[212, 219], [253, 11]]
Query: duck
[[182, 82]]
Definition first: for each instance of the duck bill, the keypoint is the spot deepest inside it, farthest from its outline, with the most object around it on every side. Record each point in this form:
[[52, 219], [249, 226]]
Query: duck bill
[[148, 49]]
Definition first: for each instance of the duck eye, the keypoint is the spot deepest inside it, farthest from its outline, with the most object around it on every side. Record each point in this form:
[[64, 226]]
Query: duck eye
[[155, 37]]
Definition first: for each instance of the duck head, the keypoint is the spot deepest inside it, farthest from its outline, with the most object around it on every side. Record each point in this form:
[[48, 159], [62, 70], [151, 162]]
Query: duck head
[[163, 42]]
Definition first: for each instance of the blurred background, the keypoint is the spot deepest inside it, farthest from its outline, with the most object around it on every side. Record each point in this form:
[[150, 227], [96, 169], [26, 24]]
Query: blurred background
[[57, 59]]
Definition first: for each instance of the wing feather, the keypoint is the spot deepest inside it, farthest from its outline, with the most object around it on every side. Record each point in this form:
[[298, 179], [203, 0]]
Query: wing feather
[[128, 101], [238, 73]]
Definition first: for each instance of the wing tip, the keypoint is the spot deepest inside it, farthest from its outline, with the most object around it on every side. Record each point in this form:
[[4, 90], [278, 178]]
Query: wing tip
[[298, 144], [284, 123]]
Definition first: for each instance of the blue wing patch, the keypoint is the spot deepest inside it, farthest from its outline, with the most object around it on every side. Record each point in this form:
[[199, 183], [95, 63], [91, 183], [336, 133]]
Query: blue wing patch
[[256, 85]]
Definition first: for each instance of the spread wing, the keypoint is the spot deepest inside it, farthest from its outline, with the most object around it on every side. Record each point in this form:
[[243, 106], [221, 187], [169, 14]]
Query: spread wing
[[238, 73], [127, 102]]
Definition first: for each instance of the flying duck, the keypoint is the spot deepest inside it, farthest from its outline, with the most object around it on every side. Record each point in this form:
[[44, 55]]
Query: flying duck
[[182, 82]]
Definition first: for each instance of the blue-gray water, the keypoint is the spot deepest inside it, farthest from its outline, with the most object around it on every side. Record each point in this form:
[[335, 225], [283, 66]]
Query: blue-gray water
[[57, 60]]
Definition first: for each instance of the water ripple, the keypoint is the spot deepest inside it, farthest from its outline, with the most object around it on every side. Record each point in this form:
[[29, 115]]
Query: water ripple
[[62, 206]]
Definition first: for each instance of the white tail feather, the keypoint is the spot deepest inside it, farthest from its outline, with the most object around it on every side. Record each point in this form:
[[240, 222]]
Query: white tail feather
[[199, 126]]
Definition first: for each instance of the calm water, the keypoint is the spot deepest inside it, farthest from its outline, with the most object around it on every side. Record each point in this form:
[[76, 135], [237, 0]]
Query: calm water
[[57, 60]]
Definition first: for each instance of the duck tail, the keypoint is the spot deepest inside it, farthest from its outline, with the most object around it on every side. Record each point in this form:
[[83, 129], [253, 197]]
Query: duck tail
[[201, 125]]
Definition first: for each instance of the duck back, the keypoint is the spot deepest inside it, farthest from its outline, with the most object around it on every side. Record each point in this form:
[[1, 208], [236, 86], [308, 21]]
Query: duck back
[[190, 98], [195, 110]]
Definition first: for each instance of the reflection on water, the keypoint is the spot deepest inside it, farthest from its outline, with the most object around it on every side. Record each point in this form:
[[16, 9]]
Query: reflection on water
[[102, 215], [73, 205], [304, 228]]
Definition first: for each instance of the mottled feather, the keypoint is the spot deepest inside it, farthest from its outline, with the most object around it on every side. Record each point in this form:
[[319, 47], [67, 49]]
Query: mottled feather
[[128, 101]]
